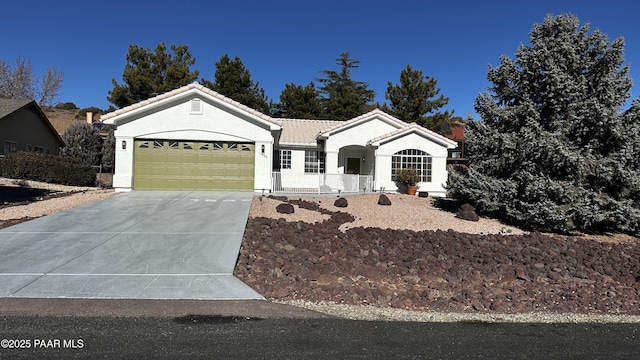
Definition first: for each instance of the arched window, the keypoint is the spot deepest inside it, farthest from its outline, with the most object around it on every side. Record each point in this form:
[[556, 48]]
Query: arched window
[[412, 158]]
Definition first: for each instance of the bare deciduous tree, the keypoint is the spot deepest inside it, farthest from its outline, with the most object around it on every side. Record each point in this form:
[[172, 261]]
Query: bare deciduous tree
[[19, 82], [50, 86]]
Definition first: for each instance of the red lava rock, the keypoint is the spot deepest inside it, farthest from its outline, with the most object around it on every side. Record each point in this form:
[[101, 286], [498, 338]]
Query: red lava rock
[[280, 292], [438, 270], [285, 208], [477, 305], [341, 203], [467, 212], [384, 200]]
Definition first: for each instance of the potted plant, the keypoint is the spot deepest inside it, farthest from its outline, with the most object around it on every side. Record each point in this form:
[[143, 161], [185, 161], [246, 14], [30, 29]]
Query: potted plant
[[408, 177]]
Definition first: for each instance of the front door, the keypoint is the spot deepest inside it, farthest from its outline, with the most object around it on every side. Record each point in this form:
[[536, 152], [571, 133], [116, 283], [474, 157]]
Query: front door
[[353, 166]]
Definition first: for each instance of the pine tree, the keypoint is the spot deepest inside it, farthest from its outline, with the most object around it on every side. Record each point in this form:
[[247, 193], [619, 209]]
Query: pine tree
[[554, 150], [344, 98], [298, 102], [413, 100], [148, 73], [233, 80]]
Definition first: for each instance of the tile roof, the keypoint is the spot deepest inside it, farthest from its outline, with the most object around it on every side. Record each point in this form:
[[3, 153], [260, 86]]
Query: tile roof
[[299, 131], [8, 106], [456, 134], [184, 89]]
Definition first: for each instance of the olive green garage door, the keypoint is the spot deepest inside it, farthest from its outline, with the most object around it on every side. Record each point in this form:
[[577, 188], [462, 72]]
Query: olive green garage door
[[193, 165]]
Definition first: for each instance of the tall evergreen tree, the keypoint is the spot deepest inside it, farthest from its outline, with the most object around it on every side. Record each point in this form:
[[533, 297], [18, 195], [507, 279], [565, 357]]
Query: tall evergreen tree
[[413, 100], [148, 73], [554, 149], [233, 80], [344, 98], [298, 102]]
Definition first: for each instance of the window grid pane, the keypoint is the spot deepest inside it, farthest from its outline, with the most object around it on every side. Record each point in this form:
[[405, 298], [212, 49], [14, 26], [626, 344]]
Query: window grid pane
[[412, 158], [311, 159], [285, 159]]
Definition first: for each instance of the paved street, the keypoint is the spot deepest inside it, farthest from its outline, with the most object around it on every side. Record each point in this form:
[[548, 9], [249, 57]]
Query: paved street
[[215, 337]]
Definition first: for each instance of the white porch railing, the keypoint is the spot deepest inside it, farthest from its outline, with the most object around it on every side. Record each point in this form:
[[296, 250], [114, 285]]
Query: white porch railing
[[321, 183]]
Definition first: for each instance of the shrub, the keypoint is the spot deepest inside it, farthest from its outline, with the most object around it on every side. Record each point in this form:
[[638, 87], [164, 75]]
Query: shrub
[[47, 168], [66, 106], [408, 177], [82, 144]]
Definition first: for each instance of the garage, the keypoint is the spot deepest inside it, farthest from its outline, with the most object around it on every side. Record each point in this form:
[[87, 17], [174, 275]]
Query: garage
[[192, 138], [161, 164]]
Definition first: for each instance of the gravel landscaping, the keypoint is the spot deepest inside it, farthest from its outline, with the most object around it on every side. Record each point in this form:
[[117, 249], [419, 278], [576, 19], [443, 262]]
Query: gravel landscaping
[[408, 256], [22, 200], [407, 261]]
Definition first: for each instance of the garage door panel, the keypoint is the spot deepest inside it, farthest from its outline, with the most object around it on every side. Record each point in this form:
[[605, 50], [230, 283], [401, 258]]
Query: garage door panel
[[189, 171], [175, 158], [173, 170], [192, 165]]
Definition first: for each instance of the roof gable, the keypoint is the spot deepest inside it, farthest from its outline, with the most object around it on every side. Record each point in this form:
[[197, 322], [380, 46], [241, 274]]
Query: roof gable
[[414, 128], [183, 92], [10, 106], [371, 115]]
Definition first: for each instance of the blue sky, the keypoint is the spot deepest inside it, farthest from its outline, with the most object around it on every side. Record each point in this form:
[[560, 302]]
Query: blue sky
[[291, 41]]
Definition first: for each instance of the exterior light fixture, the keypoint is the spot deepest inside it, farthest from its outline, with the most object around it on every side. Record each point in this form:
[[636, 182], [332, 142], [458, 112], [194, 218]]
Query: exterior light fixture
[[124, 144], [262, 148]]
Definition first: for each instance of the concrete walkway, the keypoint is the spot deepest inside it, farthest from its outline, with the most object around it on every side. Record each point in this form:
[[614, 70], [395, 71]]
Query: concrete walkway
[[137, 245]]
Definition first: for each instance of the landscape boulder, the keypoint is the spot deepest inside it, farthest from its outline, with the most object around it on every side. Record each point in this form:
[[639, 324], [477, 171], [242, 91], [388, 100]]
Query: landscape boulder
[[467, 212], [285, 208], [341, 203], [384, 200]]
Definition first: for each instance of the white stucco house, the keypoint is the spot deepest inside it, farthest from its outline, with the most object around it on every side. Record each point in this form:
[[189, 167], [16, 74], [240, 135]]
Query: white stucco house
[[193, 138]]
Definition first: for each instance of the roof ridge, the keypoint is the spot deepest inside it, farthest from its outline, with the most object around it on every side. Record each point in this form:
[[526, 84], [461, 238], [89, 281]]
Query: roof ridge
[[373, 112], [410, 126], [183, 89]]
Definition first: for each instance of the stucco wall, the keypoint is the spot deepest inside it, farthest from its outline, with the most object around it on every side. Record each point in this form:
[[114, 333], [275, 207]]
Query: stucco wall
[[357, 135]]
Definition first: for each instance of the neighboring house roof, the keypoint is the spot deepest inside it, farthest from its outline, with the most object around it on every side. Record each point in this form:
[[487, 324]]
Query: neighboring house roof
[[10, 106], [414, 128], [303, 132], [112, 117], [456, 134]]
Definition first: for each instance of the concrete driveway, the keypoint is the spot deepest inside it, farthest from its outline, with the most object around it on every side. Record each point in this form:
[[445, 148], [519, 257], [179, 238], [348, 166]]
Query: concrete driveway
[[138, 245]]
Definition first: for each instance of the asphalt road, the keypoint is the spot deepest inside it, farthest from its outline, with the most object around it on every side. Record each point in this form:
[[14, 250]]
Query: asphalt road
[[228, 337]]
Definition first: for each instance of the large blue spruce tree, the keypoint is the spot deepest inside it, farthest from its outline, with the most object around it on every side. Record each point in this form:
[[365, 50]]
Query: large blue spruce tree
[[555, 148]]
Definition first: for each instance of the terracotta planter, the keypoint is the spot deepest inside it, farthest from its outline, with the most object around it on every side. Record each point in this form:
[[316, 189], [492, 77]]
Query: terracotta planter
[[411, 190]]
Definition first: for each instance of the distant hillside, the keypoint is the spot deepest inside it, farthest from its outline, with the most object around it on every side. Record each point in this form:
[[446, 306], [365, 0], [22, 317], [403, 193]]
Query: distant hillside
[[61, 119]]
